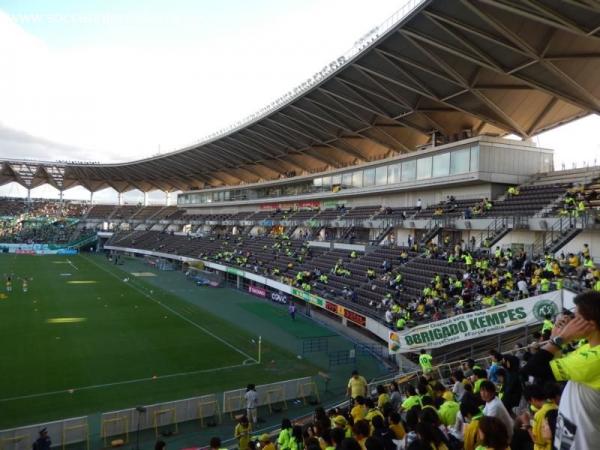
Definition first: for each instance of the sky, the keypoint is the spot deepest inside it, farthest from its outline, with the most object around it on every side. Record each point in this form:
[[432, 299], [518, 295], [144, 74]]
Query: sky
[[116, 80]]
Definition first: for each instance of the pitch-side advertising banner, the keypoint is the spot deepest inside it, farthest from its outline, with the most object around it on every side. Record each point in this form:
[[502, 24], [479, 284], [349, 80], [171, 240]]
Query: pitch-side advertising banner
[[485, 322]]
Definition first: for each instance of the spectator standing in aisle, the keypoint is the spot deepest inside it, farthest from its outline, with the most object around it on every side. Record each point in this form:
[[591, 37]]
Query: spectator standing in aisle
[[251, 403], [357, 385], [292, 311]]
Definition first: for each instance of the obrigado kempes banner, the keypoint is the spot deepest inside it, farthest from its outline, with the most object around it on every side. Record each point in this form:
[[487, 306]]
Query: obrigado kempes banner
[[484, 322]]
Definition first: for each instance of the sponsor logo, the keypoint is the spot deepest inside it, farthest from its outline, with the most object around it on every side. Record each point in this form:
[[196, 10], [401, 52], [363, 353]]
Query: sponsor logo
[[544, 308], [354, 317], [279, 298], [67, 251], [260, 292]]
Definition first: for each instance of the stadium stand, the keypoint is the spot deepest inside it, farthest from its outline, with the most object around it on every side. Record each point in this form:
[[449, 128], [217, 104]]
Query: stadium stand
[[417, 284], [320, 191]]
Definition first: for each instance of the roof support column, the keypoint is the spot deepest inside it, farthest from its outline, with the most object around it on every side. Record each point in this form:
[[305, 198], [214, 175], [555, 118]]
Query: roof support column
[[145, 199], [119, 198], [91, 197], [168, 198], [61, 195], [28, 195]]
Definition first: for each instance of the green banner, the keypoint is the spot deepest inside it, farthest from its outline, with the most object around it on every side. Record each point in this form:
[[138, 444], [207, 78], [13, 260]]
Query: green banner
[[484, 322], [307, 297], [234, 271]]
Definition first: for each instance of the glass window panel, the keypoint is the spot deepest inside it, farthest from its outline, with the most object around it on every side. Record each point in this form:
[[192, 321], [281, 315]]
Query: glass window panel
[[381, 175], [369, 177], [394, 173], [409, 170], [326, 182], [441, 165], [357, 179], [318, 181], [424, 168], [336, 179], [347, 180], [475, 158], [459, 161]]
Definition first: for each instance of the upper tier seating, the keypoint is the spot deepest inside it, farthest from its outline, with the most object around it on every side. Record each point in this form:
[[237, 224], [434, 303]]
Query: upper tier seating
[[447, 208], [125, 212], [101, 211], [362, 212], [330, 214], [531, 200], [147, 212], [396, 213]]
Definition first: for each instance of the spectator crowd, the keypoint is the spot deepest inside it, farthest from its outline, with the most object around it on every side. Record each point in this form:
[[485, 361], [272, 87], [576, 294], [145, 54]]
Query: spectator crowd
[[545, 396]]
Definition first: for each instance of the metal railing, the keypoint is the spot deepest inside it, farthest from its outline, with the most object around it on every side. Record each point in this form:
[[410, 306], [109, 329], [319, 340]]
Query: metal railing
[[498, 225], [559, 229]]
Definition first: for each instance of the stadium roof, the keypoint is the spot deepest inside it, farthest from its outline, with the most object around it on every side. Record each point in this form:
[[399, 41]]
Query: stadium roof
[[438, 69]]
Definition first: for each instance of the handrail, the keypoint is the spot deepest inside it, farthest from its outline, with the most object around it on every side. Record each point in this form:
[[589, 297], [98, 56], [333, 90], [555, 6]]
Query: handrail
[[499, 224], [557, 230]]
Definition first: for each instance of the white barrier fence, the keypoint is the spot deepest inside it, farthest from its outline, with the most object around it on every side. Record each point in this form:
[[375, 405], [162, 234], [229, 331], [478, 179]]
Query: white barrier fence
[[166, 416], [271, 394], [63, 432], [119, 424]]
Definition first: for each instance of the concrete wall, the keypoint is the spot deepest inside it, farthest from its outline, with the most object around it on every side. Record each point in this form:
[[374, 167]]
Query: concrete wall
[[518, 237], [502, 160], [402, 235]]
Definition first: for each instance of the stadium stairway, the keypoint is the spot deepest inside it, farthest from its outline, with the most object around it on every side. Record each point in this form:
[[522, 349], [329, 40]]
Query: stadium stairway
[[499, 228]]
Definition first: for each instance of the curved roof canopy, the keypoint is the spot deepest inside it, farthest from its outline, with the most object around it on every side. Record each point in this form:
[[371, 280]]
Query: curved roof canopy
[[442, 70]]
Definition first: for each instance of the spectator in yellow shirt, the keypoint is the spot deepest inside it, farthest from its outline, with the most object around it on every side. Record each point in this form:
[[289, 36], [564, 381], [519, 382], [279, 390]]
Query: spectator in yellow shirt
[[383, 397], [396, 426], [359, 410], [242, 433], [357, 385], [265, 442], [537, 399]]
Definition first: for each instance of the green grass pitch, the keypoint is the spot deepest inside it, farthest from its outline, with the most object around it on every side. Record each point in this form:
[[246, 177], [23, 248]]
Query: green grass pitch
[[82, 341]]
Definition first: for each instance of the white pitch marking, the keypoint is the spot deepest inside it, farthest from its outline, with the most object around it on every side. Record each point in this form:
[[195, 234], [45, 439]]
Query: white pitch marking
[[138, 380], [168, 308]]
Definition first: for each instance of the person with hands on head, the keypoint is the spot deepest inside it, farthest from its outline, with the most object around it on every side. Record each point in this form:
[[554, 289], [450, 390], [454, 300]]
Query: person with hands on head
[[577, 425]]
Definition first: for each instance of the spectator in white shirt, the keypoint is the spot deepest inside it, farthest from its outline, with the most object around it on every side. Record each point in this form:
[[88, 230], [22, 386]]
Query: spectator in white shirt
[[494, 406], [251, 403]]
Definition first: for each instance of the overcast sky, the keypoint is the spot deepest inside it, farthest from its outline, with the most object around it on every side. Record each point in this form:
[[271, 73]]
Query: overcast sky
[[114, 80]]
